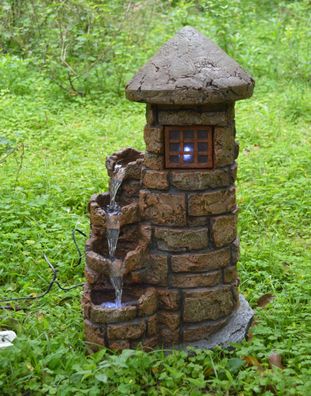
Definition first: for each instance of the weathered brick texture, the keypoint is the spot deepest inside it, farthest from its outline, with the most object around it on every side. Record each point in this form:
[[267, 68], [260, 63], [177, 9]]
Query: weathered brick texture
[[163, 208], [173, 239], [214, 202]]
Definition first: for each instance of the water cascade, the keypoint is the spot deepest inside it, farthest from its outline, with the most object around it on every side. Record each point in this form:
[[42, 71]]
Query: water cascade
[[113, 215]]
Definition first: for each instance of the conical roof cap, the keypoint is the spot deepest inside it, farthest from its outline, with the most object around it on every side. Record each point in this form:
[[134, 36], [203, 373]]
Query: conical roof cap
[[190, 69]]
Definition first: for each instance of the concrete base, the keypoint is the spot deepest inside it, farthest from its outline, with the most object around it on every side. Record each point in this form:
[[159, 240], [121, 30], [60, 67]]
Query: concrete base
[[234, 331]]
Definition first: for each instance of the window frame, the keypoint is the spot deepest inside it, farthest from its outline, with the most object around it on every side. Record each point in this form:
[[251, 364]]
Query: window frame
[[190, 165]]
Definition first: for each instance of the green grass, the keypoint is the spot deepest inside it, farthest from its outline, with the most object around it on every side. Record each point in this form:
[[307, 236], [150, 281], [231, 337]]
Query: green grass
[[44, 192]]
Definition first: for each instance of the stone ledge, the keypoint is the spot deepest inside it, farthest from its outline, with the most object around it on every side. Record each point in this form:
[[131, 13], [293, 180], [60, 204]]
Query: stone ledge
[[233, 332]]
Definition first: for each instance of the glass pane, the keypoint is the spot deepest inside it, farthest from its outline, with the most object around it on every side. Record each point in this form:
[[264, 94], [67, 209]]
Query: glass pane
[[202, 134], [174, 147], [188, 134], [202, 159], [174, 158], [202, 146], [174, 134], [188, 152]]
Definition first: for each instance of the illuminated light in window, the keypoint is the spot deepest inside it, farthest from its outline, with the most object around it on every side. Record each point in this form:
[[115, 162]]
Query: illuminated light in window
[[188, 149]]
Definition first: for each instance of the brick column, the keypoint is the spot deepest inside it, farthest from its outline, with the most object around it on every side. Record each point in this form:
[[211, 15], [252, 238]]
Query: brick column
[[192, 214]]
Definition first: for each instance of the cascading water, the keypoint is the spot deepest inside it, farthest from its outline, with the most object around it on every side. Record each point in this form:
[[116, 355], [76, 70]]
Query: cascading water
[[113, 215]]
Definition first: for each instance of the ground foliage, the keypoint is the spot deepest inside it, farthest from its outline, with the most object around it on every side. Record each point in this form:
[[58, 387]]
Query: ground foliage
[[63, 66]]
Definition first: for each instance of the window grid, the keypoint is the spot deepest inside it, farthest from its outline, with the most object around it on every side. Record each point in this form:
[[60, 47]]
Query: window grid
[[188, 156]]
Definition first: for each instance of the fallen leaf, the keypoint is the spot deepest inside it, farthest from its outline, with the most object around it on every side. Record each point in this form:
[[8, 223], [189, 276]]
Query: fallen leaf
[[265, 299], [252, 361], [275, 360]]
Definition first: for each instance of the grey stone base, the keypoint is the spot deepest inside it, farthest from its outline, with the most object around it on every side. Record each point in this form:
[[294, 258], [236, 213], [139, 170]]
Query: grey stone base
[[234, 331]]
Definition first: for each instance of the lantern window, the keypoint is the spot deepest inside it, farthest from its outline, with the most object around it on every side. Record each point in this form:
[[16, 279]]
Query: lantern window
[[188, 146]]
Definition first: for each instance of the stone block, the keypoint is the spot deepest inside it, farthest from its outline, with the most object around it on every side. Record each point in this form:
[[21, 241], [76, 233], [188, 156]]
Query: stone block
[[91, 276], [169, 337], [224, 229], [99, 314], [94, 334], [151, 115], [168, 299], [202, 304], [200, 179], [154, 161], [97, 263], [233, 172], [168, 319], [156, 270], [154, 139], [202, 330], [230, 274], [163, 208], [97, 215], [147, 303], [179, 240], [119, 345], [155, 180], [191, 117], [129, 330], [214, 202], [196, 280], [224, 146], [201, 262], [150, 343], [152, 326], [235, 251]]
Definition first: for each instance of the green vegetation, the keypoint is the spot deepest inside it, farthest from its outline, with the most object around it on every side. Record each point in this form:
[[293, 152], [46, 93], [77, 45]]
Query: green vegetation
[[62, 111]]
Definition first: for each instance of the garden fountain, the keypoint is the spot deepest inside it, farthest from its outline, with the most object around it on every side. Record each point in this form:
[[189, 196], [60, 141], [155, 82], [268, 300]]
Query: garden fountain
[[162, 253]]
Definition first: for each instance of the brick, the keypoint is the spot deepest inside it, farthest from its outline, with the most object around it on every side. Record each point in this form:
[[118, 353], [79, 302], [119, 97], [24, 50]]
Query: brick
[[150, 343], [170, 320], [196, 280], [130, 214], [191, 117], [129, 330], [163, 208], [230, 274], [155, 180], [97, 263], [200, 179], [97, 215], [154, 139], [203, 304], [172, 239], [152, 325], [198, 221], [169, 337], [119, 345], [94, 334], [235, 251], [233, 172], [91, 276], [151, 115], [201, 262], [224, 229], [156, 270], [202, 330], [224, 146], [147, 303], [99, 314], [154, 161], [214, 202], [168, 299]]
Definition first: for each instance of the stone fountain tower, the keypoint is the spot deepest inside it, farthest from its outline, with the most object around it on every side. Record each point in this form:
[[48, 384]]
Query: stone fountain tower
[[178, 238]]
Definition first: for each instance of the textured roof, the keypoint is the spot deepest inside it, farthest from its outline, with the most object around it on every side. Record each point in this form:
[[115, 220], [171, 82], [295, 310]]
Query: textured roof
[[190, 69]]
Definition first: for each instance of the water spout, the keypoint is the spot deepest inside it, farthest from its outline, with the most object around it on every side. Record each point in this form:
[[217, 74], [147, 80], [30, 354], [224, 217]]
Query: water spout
[[113, 228], [115, 183]]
